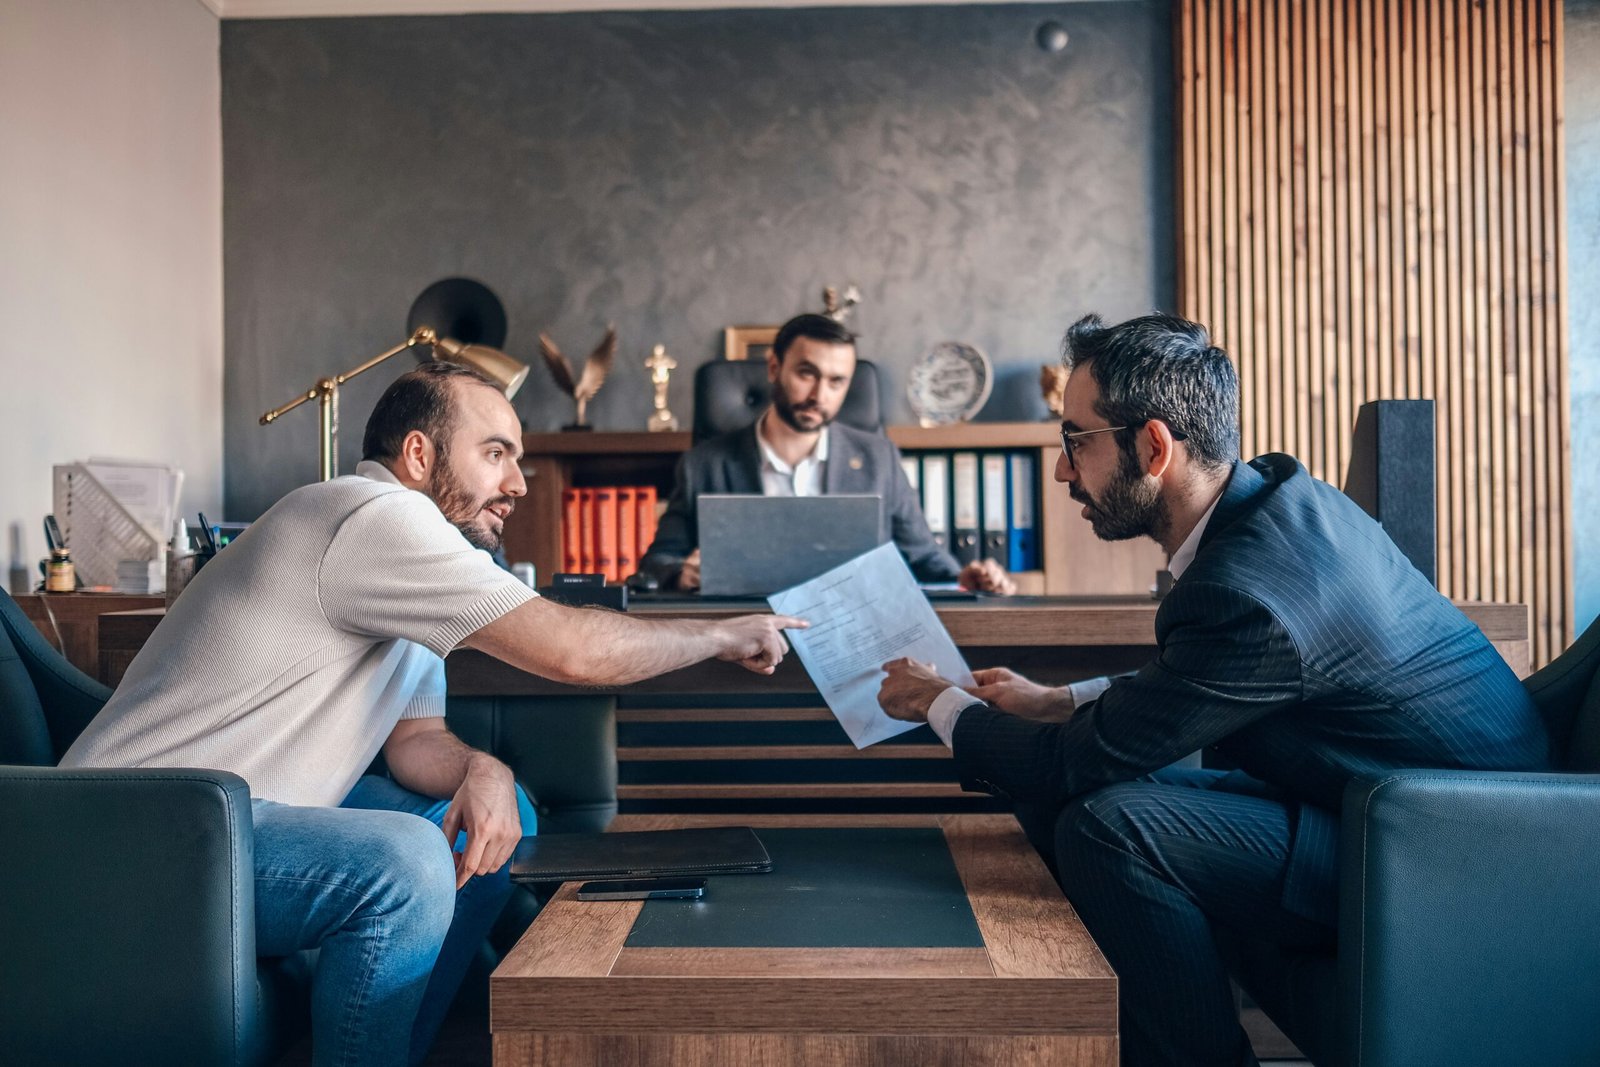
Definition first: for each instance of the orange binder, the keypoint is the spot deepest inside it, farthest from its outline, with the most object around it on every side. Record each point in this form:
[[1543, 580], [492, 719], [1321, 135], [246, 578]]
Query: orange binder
[[605, 532], [585, 531], [627, 531], [571, 530], [645, 495]]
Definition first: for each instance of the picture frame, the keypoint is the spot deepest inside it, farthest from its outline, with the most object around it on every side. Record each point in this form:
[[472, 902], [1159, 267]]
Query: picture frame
[[748, 342]]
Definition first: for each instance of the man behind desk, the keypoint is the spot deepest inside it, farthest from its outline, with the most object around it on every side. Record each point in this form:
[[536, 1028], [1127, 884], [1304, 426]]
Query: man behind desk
[[1297, 642], [796, 449], [315, 640]]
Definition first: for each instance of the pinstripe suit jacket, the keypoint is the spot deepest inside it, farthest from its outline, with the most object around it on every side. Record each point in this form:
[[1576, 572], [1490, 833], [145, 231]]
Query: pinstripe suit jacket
[[1304, 648], [858, 462]]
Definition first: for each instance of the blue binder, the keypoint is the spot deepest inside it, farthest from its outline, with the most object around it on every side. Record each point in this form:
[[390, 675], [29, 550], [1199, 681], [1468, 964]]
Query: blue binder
[[1022, 514]]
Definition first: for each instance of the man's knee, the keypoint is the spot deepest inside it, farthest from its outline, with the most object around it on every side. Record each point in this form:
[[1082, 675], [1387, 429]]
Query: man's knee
[[1100, 818], [413, 877], [1097, 832]]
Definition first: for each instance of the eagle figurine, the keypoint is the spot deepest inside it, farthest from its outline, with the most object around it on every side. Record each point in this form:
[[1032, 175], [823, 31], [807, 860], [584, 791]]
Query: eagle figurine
[[583, 388]]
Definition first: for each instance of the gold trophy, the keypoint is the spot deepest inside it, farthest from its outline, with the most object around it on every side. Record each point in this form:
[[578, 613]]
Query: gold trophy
[[661, 366], [582, 388], [833, 307], [1053, 386]]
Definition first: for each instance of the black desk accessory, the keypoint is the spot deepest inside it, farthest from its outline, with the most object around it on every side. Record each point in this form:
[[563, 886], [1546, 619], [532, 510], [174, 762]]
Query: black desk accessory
[[640, 582], [586, 591]]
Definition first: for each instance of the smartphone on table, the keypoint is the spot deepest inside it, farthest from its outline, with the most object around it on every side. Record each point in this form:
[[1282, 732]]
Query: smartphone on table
[[644, 889]]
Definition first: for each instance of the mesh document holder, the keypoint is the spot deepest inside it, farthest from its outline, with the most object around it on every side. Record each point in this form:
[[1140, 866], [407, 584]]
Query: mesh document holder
[[98, 529]]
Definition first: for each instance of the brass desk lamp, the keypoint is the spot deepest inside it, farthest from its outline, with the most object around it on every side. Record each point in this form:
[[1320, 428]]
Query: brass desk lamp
[[505, 371]]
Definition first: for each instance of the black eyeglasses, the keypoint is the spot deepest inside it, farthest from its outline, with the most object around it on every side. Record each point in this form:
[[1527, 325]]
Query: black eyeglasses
[[1070, 439]]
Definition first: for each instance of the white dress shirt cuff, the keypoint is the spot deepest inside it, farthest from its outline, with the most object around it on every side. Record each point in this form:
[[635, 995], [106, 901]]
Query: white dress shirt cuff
[[948, 705], [946, 709], [1087, 690]]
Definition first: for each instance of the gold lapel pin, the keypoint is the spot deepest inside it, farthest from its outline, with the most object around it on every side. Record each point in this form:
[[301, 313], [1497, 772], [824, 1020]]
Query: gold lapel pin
[[855, 463]]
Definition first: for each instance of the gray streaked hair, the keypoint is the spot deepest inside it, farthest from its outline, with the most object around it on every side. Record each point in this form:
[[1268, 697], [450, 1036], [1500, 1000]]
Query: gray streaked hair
[[1161, 367]]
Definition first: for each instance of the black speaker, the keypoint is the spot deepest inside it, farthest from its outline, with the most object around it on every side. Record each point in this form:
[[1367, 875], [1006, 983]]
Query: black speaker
[[461, 309], [1391, 476]]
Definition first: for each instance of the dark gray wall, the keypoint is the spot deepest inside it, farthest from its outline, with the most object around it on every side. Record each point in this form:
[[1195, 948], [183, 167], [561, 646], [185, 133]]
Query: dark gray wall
[[1583, 309], [675, 173]]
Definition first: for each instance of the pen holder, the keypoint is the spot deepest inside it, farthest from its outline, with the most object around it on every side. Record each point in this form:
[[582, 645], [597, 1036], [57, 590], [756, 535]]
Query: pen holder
[[181, 571]]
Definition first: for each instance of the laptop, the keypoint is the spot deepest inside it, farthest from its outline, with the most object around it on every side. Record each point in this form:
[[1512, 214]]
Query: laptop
[[640, 854], [753, 545]]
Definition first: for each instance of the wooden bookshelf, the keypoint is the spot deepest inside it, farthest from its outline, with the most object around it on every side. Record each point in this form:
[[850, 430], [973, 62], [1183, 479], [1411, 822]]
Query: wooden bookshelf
[[1075, 562]]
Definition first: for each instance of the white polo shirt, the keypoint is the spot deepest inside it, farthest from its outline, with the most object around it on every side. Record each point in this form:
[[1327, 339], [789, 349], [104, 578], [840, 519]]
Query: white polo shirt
[[293, 653]]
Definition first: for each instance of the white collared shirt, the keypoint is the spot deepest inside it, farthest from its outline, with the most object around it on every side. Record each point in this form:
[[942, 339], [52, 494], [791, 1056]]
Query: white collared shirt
[[802, 479], [1185, 555], [948, 705]]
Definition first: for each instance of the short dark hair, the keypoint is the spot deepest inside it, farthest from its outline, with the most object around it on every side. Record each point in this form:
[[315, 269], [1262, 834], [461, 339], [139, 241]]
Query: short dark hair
[[1161, 367], [420, 399], [817, 327]]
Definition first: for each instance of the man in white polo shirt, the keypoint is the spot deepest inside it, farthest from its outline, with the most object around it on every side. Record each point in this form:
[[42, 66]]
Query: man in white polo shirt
[[316, 641]]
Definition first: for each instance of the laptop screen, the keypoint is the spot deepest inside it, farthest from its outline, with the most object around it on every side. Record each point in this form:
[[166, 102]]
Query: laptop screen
[[752, 545]]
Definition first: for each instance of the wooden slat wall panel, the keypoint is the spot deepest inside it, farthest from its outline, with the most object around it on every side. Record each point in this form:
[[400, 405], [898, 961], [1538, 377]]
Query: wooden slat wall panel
[[1370, 207]]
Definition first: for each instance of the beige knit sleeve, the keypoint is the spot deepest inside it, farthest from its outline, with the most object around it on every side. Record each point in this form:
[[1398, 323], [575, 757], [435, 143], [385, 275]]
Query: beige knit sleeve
[[397, 569]]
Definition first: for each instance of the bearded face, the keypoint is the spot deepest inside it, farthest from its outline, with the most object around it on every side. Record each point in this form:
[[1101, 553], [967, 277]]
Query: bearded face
[[805, 416], [1129, 506], [479, 517]]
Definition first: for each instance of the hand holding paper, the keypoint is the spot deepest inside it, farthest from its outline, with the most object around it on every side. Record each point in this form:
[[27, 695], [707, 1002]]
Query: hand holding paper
[[864, 613]]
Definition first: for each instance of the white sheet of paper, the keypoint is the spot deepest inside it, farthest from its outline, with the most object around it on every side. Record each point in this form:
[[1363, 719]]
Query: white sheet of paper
[[864, 613]]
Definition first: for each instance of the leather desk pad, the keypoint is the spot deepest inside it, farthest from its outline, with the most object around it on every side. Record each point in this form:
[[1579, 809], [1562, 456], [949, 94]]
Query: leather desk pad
[[856, 887]]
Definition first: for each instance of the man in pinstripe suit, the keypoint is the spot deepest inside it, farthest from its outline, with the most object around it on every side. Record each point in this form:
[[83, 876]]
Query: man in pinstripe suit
[[1297, 643]]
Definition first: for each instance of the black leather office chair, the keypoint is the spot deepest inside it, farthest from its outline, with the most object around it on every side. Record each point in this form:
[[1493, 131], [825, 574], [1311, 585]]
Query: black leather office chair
[[127, 897], [730, 394], [1467, 926]]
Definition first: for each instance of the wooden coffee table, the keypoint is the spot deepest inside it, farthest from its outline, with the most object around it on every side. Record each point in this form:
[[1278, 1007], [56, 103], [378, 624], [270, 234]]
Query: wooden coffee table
[[824, 964]]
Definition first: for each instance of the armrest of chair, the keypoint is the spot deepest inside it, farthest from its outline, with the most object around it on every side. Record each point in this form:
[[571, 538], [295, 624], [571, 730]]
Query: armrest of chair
[[1468, 926], [562, 749], [127, 912]]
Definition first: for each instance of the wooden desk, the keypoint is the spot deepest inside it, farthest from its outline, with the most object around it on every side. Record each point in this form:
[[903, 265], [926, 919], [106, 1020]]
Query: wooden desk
[[75, 629], [716, 738], [1037, 991], [1063, 638]]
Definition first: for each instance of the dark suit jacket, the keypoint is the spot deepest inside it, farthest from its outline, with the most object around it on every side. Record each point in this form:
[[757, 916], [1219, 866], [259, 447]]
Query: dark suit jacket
[[1304, 648], [858, 462]]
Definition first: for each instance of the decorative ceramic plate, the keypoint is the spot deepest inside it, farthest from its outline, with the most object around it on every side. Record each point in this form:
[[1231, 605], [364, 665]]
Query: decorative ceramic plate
[[950, 383]]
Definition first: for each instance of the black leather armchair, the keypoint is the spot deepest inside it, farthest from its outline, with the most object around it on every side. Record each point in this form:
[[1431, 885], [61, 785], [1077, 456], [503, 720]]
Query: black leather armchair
[[729, 394], [127, 924], [1467, 926]]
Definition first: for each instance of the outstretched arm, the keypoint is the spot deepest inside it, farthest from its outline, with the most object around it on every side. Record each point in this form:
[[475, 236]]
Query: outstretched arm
[[591, 646]]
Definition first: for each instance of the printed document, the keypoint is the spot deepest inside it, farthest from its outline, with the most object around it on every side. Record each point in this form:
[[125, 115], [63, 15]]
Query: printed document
[[864, 613]]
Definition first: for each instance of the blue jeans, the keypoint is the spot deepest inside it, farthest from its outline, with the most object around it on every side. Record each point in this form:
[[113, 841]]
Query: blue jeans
[[371, 884]]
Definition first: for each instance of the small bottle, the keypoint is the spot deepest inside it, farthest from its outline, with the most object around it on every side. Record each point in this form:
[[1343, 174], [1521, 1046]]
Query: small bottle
[[180, 561], [62, 576]]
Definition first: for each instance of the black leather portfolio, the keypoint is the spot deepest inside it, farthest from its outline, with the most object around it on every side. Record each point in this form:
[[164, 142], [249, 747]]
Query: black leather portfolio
[[640, 854]]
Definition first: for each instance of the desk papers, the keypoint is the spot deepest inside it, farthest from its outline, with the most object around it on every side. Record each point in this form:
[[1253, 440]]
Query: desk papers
[[864, 613]]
